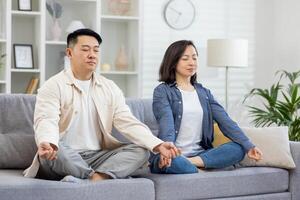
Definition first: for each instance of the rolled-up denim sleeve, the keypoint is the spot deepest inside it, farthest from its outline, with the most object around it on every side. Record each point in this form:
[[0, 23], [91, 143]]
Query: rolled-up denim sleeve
[[163, 113], [228, 127]]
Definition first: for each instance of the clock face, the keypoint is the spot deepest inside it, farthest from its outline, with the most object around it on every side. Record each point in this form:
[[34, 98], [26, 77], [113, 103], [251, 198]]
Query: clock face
[[179, 14]]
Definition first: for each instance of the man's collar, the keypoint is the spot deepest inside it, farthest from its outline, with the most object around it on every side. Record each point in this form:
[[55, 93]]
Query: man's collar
[[72, 80]]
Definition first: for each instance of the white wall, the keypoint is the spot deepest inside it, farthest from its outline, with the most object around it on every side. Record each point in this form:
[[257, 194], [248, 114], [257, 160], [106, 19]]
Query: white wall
[[277, 40], [214, 19]]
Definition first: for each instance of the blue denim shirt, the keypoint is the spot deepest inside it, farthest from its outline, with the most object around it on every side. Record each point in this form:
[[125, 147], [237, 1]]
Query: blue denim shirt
[[167, 108]]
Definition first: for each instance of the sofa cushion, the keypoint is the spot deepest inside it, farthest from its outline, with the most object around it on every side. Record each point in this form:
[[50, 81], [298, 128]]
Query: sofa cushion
[[274, 144], [220, 183], [219, 137], [272, 196], [14, 186], [17, 145], [142, 110]]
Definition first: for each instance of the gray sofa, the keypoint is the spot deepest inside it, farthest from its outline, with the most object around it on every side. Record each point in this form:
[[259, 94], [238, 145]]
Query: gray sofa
[[17, 148]]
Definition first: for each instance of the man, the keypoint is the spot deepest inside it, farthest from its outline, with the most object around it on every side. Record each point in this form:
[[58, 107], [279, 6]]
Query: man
[[74, 115]]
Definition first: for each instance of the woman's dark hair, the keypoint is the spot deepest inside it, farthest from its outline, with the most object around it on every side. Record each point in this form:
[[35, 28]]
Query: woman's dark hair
[[167, 70], [72, 37]]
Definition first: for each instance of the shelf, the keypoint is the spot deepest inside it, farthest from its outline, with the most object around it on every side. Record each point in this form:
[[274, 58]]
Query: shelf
[[119, 30], [26, 70], [119, 18], [25, 13], [118, 72], [56, 42]]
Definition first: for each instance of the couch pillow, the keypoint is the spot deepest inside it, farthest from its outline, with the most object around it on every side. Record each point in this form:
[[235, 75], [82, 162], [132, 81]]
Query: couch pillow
[[219, 137], [274, 144], [16, 151], [17, 145]]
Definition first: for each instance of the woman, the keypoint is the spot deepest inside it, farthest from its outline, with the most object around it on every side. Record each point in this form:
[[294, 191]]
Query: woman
[[186, 111]]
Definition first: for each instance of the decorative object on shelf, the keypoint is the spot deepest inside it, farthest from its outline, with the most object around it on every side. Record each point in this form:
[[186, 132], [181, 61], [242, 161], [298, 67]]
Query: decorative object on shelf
[[121, 61], [55, 10], [25, 5], [2, 63], [23, 56], [105, 67], [179, 14], [119, 7], [281, 104], [227, 53], [74, 25], [32, 85]]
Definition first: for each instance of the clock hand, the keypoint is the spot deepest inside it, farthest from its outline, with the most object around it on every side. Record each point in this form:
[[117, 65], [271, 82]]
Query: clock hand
[[175, 10], [178, 16]]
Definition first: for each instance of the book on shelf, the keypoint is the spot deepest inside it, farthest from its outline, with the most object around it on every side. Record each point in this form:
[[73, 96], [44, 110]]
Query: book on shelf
[[32, 85]]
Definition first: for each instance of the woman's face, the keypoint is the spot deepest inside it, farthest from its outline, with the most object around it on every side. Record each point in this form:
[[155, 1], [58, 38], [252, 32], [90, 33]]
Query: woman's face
[[187, 64]]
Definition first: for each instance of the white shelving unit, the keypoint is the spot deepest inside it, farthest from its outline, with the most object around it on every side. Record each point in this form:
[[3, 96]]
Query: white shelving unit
[[117, 31], [4, 47], [118, 27]]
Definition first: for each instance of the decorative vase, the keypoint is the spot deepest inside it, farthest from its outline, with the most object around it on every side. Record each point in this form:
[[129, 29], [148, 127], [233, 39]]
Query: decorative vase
[[121, 61], [105, 67], [119, 7], [56, 30]]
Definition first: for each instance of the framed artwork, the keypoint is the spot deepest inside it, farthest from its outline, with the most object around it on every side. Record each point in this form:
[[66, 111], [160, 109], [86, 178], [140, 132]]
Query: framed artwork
[[23, 56], [25, 5]]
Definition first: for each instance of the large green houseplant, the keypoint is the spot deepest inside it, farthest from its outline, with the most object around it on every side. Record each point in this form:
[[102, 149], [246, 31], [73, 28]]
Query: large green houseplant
[[281, 104]]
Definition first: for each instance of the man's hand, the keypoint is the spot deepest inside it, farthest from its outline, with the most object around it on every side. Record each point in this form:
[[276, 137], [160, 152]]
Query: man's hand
[[47, 151], [167, 149], [255, 154]]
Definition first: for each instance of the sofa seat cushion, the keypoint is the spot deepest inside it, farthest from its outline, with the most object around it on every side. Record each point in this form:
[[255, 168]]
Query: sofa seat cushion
[[220, 183], [14, 186]]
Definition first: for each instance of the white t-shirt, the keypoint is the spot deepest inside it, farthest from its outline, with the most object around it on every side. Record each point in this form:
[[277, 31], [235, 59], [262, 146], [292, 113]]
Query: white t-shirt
[[190, 132], [84, 130]]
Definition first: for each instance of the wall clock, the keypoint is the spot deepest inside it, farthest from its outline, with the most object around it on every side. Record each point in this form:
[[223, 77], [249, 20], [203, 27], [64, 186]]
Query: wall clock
[[179, 14]]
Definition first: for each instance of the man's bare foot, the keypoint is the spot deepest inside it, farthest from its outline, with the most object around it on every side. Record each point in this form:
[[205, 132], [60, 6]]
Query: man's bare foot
[[197, 161], [99, 177]]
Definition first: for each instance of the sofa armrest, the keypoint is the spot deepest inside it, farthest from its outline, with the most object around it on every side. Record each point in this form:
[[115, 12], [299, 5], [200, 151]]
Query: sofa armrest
[[295, 173]]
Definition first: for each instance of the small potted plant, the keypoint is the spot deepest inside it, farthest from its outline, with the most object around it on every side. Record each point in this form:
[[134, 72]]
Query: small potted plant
[[55, 10]]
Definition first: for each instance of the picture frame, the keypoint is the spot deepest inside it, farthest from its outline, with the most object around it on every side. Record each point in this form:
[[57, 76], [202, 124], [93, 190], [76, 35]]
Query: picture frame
[[23, 56], [25, 5]]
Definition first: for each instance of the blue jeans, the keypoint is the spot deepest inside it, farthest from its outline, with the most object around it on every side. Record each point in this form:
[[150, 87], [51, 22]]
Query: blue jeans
[[223, 156]]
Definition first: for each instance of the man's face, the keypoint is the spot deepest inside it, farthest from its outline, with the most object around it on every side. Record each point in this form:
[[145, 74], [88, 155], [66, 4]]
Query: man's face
[[84, 56]]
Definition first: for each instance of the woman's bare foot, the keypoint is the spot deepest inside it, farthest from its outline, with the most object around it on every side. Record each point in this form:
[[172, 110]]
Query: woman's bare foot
[[197, 161]]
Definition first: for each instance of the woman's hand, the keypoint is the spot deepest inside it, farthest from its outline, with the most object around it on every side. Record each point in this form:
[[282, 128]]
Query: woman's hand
[[164, 162], [255, 154], [167, 149]]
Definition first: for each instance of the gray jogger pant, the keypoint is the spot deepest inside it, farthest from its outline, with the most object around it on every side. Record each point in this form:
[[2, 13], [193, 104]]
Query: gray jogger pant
[[117, 163]]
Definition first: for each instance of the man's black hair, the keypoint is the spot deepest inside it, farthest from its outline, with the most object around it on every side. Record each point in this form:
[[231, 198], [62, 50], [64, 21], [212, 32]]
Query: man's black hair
[[72, 37]]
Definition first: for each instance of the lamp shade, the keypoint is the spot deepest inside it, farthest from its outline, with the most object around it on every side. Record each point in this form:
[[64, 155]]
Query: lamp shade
[[74, 25], [227, 52]]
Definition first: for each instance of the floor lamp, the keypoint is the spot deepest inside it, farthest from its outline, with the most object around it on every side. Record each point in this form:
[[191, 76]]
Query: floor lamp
[[227, 53]]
